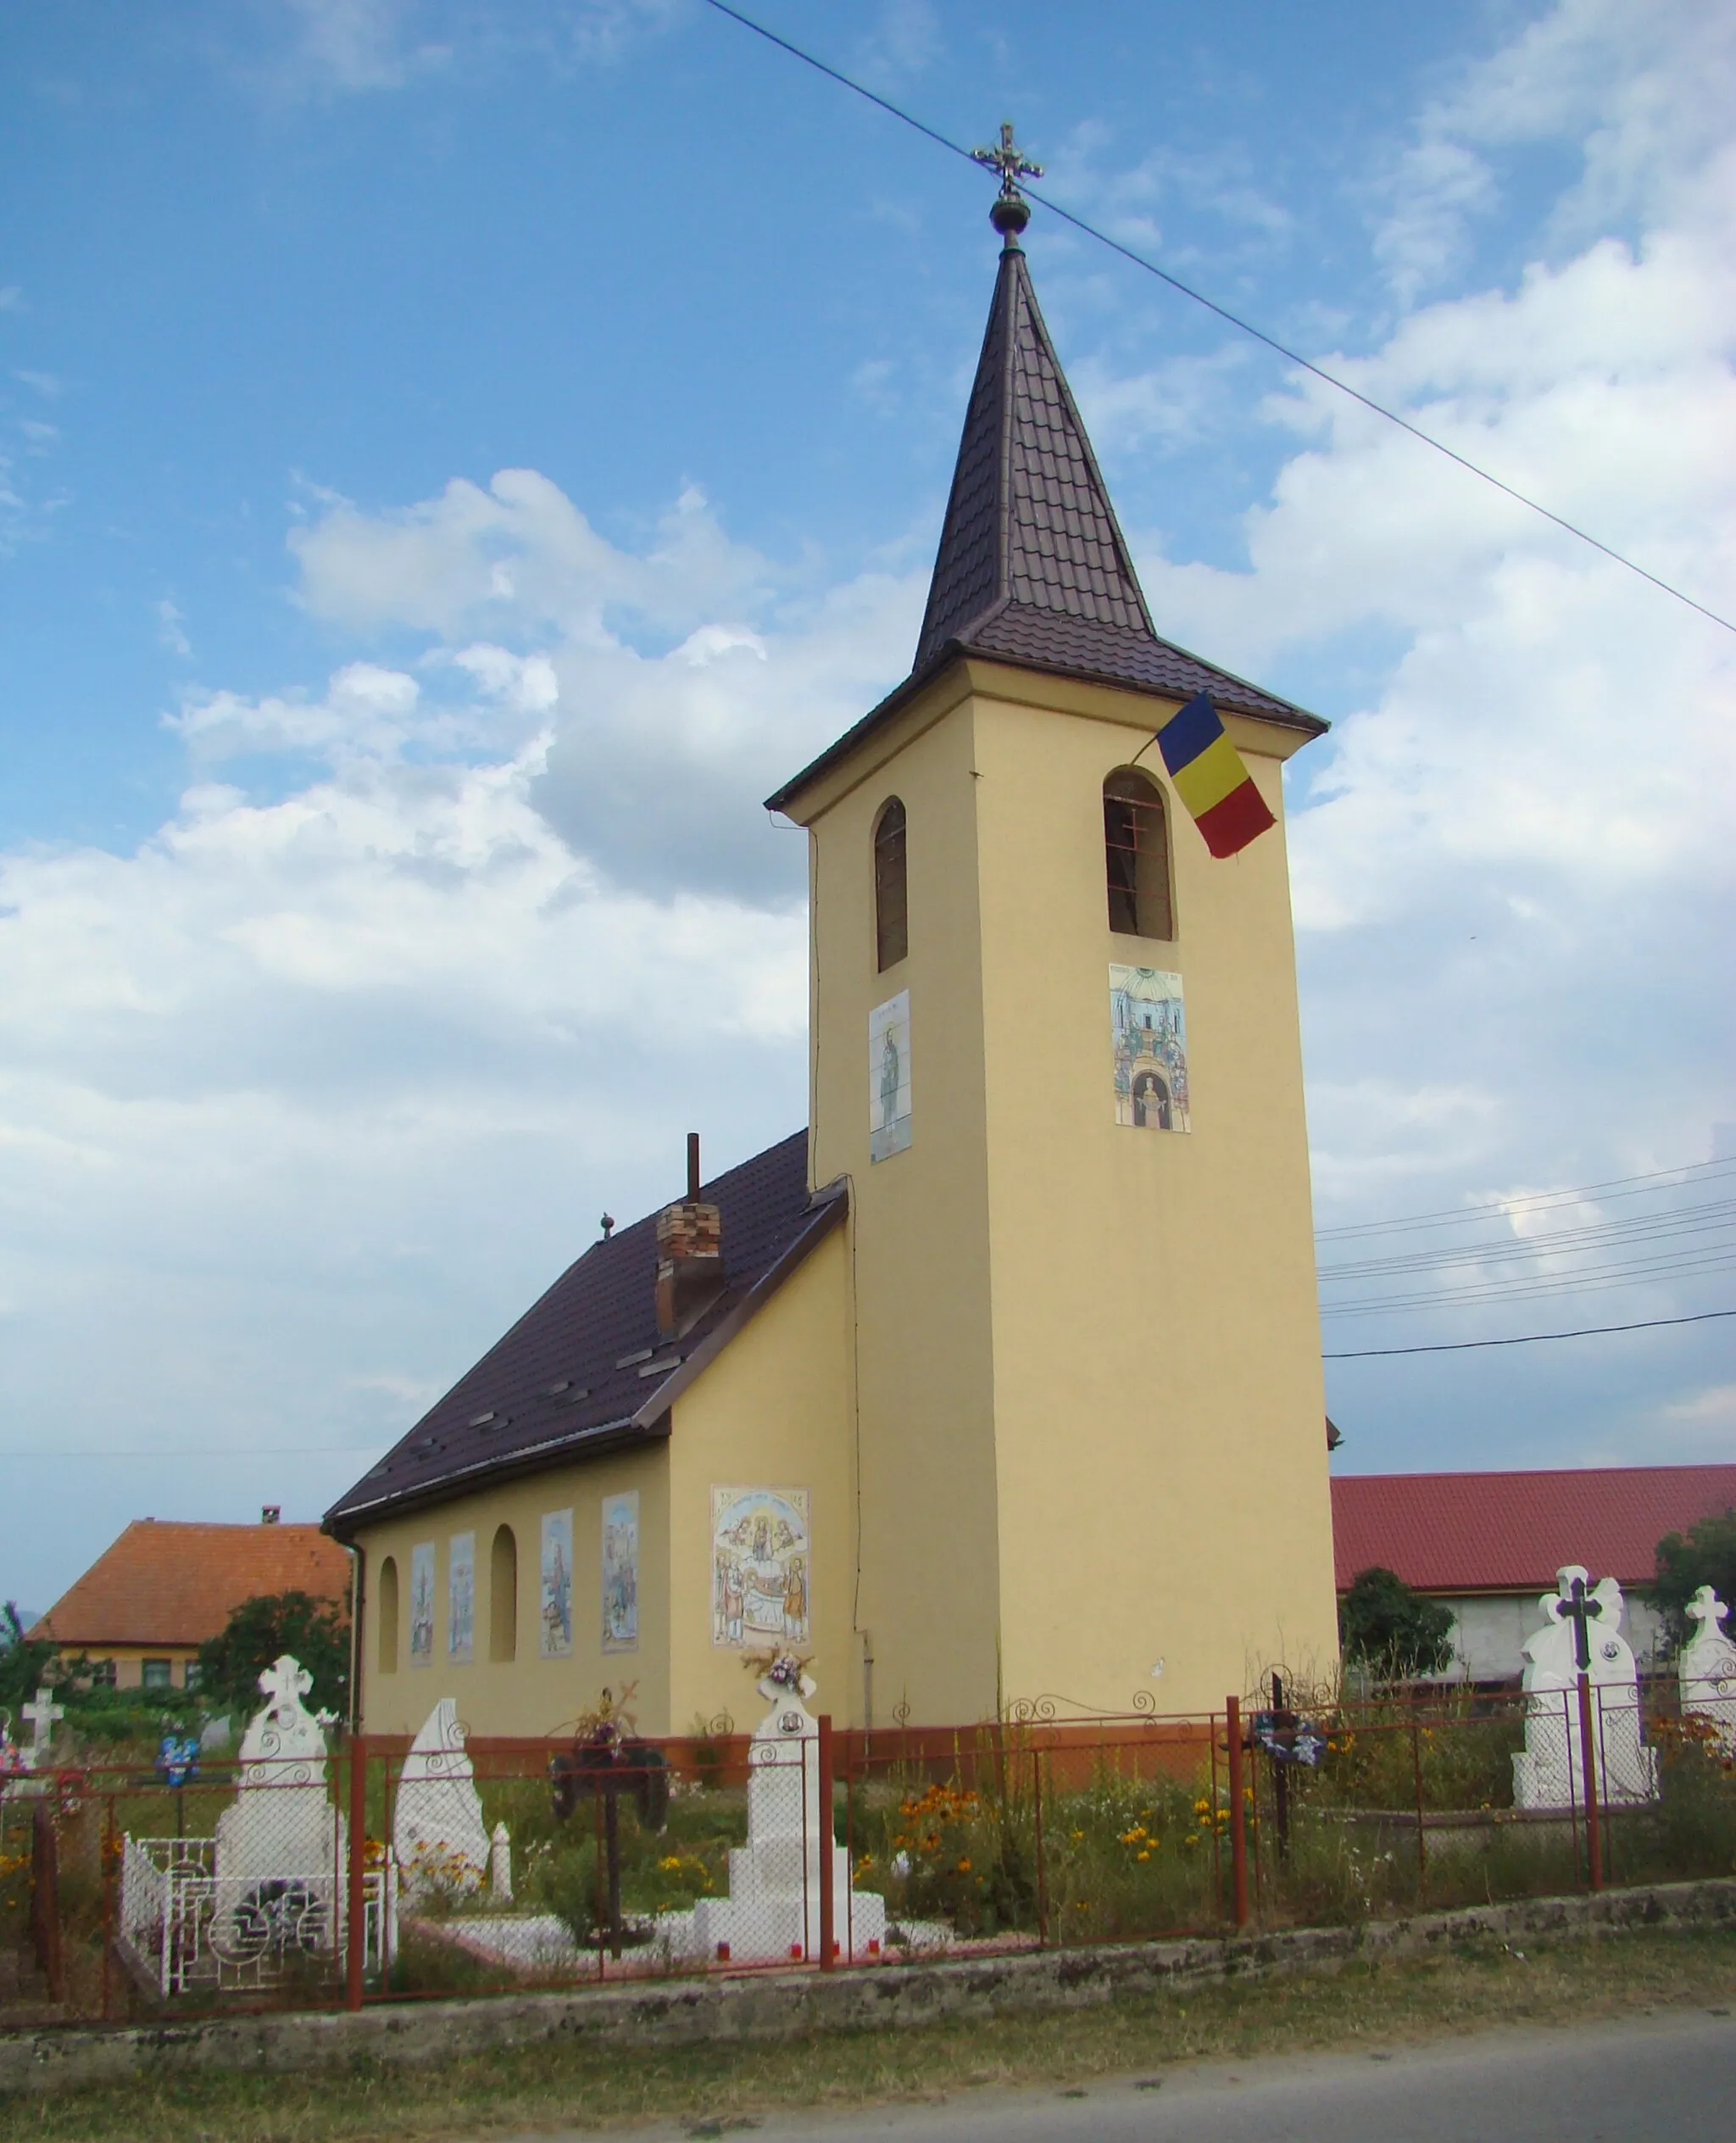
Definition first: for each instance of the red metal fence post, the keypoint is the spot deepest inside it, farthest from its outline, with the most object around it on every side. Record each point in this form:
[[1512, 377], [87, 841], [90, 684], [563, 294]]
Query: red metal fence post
[[1036, 1823], [1238, 1829], [1587, 1761], [828, 1945], [356, 1904]]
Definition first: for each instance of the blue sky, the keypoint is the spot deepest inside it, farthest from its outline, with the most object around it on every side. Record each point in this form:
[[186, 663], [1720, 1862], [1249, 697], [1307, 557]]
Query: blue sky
[[438, 441]]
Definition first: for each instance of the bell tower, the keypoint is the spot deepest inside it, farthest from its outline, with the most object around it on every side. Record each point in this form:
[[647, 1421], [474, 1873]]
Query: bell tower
[[1055, 1048]]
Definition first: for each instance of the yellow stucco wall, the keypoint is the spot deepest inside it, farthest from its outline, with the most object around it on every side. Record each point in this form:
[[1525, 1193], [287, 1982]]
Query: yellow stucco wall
[[129, 1660], [1092, 1411], [529, 1694], [930, 1608], [772, 1409]]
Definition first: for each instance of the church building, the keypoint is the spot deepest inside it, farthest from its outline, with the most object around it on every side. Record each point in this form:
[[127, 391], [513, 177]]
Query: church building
[[1000, 1381]]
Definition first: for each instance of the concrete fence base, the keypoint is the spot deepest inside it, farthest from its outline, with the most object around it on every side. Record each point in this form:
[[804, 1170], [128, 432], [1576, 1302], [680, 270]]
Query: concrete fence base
[[787, 2005]]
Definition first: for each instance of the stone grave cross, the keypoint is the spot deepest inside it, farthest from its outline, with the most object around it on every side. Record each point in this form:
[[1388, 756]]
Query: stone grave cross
[[42, 1714], [1580, 1608]]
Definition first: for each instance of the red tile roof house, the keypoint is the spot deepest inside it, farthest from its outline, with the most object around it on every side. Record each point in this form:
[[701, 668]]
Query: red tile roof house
[[1488, 1545], [146, 1605]]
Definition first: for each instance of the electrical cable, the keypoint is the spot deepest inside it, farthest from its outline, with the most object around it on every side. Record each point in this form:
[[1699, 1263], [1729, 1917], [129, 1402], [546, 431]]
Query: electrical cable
[[1561, 1242], [1234, 320], [1526, 1338], [1539, 1201]]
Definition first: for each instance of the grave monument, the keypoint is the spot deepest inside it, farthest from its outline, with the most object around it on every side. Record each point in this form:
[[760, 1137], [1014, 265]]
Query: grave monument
[[1582, 1636], [442, 1843], [1707, 1668]]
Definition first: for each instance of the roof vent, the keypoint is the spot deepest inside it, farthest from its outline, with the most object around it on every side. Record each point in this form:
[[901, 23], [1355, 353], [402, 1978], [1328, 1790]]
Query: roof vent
[[270, 1514], [691, 1273], [481, 1421]]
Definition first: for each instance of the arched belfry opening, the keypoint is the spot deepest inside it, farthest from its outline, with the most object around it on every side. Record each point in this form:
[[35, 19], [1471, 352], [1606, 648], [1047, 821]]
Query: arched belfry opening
[[892, 900], [1136, 853]]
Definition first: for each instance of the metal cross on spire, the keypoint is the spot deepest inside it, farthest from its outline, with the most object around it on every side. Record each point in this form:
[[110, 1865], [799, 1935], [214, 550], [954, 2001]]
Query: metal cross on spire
[[1011, 211]]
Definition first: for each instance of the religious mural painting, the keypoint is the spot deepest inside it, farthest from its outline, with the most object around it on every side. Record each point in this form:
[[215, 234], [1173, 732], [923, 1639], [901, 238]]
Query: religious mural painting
[[555, 1632], [422, 1603], [620, 1571], [461, 1597], [1148, 1031], [761, 1567], [889, 1078]]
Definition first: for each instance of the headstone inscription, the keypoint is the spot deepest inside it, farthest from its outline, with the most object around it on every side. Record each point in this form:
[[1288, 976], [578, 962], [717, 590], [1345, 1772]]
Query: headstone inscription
[[1581, 1635], [437, 1832], [1707, 1668]]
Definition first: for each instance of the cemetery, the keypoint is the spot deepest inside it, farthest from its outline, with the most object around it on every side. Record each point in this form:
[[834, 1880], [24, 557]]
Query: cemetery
[[311, 1868]]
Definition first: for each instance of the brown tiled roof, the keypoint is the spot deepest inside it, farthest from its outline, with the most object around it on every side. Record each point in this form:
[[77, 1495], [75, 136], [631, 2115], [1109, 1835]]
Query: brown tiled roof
[[1512, 1532], [1032, 567], [583, 1370], [167, 1582]]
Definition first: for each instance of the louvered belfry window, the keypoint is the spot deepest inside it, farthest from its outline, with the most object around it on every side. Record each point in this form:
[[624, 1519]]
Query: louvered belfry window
[[1136, 850], [891, 907]]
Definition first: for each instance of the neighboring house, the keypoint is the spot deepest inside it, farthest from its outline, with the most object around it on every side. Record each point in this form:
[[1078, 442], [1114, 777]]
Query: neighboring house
[[141, 1611], [1488, 1545], [957, 1392]]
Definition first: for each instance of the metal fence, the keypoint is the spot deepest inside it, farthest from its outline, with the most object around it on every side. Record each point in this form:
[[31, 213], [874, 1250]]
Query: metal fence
[[527, 1865]]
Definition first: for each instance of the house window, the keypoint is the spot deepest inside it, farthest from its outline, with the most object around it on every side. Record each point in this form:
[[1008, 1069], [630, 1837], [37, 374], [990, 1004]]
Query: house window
[[102, 1675], [891, 907], [386, 1615], [157, 1674], [503, 1595], [1136, 850], [190, 1674]]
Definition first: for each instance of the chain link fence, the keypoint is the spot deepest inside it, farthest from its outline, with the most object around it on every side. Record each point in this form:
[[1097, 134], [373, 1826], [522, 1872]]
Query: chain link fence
[[526, 1865]]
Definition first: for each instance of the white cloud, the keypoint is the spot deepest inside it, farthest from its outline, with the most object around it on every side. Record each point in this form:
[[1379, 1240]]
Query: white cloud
[[1642, 95]]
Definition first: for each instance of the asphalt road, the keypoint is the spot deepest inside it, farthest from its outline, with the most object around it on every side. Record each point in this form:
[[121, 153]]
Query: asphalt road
[[1669, 2079]]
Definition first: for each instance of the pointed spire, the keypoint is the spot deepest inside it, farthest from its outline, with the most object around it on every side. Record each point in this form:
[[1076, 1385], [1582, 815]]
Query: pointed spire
[[1032, 567]]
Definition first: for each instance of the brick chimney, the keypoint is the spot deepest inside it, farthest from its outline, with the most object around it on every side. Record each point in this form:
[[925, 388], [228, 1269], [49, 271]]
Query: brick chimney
[[691, 1273]]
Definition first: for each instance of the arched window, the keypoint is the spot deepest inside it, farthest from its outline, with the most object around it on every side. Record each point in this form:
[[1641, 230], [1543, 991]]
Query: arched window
[[1136, 850], [386, 1614], [503, 1595], [891, 906]]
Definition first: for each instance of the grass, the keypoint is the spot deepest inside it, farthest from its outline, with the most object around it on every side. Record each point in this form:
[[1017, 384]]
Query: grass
[[1478, 1986]]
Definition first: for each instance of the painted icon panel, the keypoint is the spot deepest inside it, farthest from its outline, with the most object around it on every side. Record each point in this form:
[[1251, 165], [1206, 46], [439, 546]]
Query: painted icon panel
[[761, 1567], [422, 1603], [555, 1635], [461, 1596], [889, 1078], [620, 1571], [1148, 1031]]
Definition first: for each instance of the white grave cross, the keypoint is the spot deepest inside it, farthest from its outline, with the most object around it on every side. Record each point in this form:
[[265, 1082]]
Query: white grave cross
[[42, 1714]]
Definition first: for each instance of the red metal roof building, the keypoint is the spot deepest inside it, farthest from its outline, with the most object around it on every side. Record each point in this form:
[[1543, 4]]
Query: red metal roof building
[[1490, 1544]]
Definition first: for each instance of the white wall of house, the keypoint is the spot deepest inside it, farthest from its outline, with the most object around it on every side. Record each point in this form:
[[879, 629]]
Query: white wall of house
[[1490, 1630]]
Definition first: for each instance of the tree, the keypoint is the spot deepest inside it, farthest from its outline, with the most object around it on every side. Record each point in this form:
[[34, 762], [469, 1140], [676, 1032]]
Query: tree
[[1397, 1632], [24, 1662], [314, 1631], [1705, 1555]]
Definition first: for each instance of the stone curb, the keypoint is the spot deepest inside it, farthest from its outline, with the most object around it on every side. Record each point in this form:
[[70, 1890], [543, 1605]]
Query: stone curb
[[784, 2005]]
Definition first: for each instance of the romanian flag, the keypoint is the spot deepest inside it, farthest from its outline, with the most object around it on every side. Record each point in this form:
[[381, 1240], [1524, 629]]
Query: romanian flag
[[1211, 779]]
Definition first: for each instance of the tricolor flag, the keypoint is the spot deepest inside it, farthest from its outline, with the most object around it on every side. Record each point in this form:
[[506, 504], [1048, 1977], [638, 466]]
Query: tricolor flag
[[1211, 779]]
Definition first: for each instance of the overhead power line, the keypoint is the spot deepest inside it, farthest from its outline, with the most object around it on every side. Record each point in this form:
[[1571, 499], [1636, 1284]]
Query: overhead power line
[[1526, 1338], [1693, 1171], [1223, 313]]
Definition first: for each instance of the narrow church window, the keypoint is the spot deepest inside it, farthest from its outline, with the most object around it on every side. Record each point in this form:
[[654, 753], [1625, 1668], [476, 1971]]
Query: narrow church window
[[503, 1595], [387, 1616], [892, 911], [1135, 847]]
